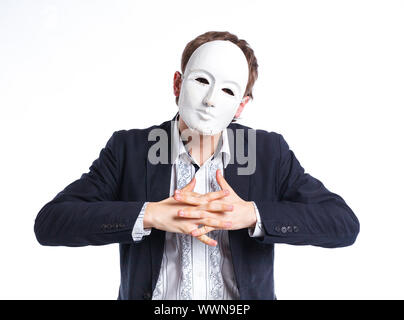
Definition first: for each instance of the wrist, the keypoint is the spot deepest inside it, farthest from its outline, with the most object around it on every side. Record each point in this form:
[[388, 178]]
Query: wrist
[[148, 216], [252, 214]]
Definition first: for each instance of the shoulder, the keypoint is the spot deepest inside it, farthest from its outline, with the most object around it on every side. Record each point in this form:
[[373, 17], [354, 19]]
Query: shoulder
[[137, 134], [269, 139], [133, 140]]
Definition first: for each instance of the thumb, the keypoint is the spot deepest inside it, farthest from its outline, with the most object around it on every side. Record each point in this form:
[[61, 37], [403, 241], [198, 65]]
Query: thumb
[[221, 181], [190, 186]]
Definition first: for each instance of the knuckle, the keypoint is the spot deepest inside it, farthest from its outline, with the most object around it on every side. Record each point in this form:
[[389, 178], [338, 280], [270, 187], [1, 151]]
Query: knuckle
[[207, 196], [215, 206], [213, 196], [188, 229], [203, 239], [209, 221]]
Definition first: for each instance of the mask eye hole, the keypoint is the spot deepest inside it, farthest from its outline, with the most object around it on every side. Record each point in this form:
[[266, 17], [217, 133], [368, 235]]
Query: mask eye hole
[[228, 91], [202, 80]]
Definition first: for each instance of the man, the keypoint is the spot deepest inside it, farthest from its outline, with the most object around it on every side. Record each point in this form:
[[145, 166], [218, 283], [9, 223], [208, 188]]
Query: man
[[194, 217]]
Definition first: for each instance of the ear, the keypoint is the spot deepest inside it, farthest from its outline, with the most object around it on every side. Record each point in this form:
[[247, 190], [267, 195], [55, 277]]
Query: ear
[[241, 106], [177, 83]]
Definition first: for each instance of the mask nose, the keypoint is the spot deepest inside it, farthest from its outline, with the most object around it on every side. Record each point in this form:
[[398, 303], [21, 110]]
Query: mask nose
[[209, 98]]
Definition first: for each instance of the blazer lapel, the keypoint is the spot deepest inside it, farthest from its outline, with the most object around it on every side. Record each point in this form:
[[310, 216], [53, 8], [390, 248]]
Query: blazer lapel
[[158, 188], [241, 185]]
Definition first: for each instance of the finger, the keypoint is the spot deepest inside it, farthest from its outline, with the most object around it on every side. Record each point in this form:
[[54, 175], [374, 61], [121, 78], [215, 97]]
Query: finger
[[198, 232], [206, 240], [215, 223], [188, 198], [217, 206], [188, 188], [195, 198], [189, 193], [215, 195], [194, 214]]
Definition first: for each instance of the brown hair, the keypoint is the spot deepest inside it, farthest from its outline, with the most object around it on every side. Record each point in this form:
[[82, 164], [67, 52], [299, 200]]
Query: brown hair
[[224, 35]]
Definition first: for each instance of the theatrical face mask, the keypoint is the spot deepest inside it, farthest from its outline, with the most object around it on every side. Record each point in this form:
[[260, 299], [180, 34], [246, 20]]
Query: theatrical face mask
[[213, 86]]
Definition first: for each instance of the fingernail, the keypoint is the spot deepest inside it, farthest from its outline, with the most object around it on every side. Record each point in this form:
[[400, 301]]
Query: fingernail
[[181, 213], [177, 191], [213, 243], [227, 224], [177, 197], [230, 207], [226, 192], [194, 233]]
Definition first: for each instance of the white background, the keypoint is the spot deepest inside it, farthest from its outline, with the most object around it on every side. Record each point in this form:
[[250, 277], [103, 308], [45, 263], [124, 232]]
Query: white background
[[331, 80]]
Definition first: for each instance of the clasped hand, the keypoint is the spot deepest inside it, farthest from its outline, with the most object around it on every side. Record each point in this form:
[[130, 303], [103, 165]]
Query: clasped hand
[[187, 210]]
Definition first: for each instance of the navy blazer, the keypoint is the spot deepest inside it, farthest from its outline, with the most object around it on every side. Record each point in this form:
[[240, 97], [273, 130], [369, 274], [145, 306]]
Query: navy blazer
[[102, 206]]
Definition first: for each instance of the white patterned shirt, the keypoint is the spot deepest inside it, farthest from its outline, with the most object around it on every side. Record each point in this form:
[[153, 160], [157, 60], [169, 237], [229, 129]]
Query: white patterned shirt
[[190, 269]]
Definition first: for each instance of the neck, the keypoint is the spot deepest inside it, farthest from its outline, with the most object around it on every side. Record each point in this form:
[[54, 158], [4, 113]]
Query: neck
[[199, 146]]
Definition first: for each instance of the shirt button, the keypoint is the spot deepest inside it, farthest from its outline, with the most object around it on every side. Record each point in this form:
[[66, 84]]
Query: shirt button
[[284, 229]]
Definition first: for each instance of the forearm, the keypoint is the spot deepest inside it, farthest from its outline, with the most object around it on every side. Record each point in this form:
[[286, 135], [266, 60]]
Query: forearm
[[80, 223], [330, 224], [305, 212]]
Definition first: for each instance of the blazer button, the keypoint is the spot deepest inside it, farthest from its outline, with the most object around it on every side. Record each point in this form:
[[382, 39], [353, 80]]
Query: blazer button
[[295, 229], [284, 229], [146, 296]]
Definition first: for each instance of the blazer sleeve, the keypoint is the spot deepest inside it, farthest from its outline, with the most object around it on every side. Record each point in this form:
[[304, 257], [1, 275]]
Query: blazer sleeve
[[87, 212], [305, 213]]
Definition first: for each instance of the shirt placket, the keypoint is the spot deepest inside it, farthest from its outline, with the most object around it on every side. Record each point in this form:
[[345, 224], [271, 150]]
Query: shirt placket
[[199, 249]]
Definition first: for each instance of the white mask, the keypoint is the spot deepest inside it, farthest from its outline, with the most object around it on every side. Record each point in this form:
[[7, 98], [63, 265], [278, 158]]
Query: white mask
[[213, 86]]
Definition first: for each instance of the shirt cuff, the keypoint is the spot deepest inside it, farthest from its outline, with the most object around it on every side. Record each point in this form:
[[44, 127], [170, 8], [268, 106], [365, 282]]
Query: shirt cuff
[[139, 231], [258, 231]]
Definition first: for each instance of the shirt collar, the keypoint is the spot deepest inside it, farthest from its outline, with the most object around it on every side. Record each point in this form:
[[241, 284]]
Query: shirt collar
[[178, 147]]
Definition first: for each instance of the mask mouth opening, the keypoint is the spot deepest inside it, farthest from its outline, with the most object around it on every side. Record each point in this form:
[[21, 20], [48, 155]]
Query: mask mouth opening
[[202, 132]]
